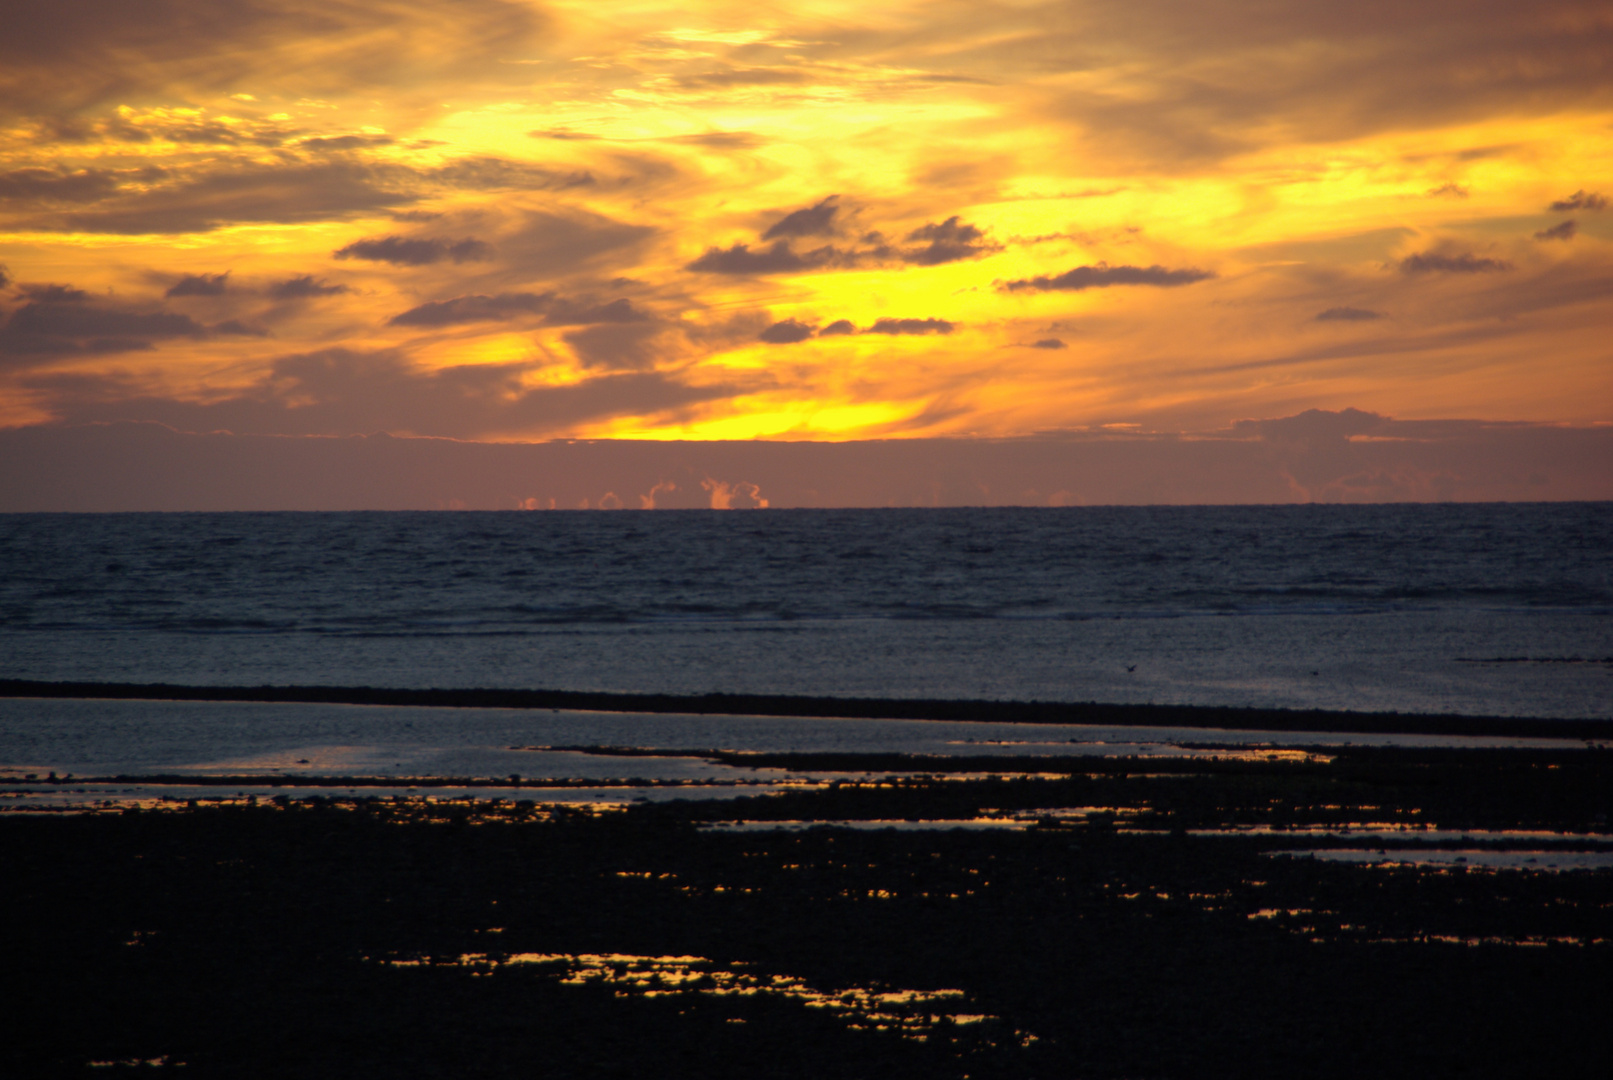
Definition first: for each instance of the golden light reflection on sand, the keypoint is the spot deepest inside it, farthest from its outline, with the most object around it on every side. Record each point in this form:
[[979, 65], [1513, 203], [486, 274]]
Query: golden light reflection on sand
[[912, 1014]]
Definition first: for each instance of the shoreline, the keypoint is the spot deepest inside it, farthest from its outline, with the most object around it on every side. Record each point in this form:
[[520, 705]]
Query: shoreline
[[1390, 912], [790, 705]]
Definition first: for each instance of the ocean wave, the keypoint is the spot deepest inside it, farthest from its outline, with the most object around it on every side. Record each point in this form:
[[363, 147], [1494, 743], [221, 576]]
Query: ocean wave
[[462, 574]]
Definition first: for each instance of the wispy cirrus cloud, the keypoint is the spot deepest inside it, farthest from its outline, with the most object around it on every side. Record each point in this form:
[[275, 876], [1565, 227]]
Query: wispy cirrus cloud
[[190, 197], [1348, 314], [73, 56], [209, 198]]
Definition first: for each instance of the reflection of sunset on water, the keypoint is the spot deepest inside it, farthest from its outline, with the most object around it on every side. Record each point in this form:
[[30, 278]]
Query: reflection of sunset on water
[[914, 1014], [1125, 916]]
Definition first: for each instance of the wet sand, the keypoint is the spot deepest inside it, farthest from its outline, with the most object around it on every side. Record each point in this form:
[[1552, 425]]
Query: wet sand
[[1142, 917], [1020, 712]]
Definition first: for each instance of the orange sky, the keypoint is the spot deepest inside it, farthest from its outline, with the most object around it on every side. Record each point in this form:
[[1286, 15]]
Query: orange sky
[[499, 220]]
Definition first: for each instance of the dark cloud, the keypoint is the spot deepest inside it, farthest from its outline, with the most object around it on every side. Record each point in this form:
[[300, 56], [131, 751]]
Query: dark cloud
[[56, 185], [1103, 276], [571, 313], [236, 328], [79, 321], [1454, 191], [64, 325], [818, 220], [778, 259], [286, 191], [1313, 426], [558, 311], [278, 193], [911, 326], [1347, 314], [463, 309], [54, 294], [942, 242], [415, 251], [345, 142], [200, 285], [1562, 231], [1580, 200], [1049, 343], [949, 241], [787, 332], [341, 391], [5, 277], [1465, 263], [303, 288], [415, 215], [839, 326], [619, 346]]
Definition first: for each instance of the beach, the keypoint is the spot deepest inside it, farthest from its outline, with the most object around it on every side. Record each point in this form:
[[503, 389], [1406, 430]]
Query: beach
[[1256, 904], [1149, 792]]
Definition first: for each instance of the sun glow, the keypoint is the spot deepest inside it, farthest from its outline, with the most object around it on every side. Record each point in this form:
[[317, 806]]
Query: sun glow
[[806, 221]]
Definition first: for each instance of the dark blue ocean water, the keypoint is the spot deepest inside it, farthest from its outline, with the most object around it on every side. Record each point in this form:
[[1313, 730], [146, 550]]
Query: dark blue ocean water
[[1491, 609]]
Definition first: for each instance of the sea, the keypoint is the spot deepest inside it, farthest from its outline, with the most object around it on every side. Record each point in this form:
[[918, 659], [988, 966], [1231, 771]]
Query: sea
[[1493, 610]]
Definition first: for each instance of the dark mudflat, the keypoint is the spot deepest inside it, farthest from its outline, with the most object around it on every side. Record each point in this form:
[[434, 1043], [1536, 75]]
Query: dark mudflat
[[329, 938], [1018, 712]]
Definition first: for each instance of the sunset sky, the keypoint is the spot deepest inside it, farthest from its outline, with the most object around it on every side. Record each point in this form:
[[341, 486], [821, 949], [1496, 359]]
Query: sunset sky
[[506, 221]]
